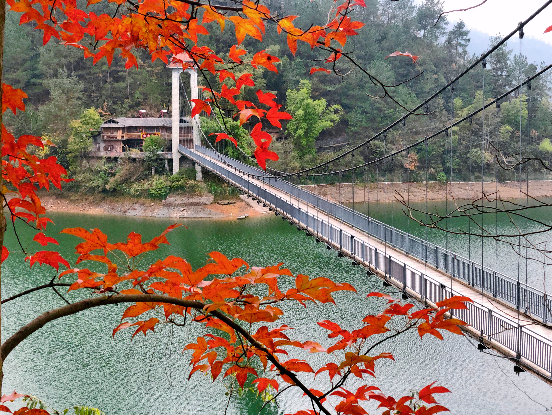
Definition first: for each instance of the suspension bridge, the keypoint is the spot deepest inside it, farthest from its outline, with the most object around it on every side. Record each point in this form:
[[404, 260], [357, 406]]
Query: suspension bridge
[[507, 314], [421, 270]]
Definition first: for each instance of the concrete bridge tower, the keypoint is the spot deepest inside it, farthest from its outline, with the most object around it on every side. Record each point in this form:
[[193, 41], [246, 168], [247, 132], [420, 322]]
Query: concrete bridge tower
[[176, 65]]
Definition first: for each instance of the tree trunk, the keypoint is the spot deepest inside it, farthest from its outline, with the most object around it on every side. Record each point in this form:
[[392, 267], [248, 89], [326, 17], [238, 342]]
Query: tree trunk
[[2, 218]]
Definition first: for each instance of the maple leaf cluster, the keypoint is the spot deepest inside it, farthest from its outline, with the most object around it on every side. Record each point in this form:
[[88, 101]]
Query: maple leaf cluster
[[24, 173], [240, 306]]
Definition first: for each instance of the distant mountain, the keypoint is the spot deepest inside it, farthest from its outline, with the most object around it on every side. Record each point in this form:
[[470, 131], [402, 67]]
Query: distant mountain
[[536, 50]]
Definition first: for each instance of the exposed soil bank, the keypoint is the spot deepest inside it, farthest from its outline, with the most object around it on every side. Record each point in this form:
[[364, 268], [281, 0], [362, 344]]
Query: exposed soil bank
[[175, 206], [416, 192], [203, 206]]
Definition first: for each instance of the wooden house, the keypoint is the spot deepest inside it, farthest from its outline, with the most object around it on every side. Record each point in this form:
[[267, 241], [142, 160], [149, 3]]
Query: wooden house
[[120, 135]]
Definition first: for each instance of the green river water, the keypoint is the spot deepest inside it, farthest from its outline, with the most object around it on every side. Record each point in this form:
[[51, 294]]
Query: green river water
[[75, 360]]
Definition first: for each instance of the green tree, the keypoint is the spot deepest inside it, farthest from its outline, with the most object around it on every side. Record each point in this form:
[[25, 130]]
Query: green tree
[[152, 146], [310, 118], [82, 131], [64, 104], [212, 125]]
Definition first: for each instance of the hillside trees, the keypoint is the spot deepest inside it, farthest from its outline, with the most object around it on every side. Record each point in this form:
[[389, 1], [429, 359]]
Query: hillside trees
[[240, 305]]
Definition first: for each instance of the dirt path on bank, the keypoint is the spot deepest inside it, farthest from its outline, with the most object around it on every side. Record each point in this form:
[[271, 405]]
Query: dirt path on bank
[[416, 192]]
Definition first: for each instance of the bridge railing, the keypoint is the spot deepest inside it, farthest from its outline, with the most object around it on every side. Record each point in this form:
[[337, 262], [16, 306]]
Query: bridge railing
[[525, 298], [521, 341]]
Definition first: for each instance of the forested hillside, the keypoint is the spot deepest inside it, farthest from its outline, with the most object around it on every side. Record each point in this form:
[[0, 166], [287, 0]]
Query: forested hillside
[[61, 86]]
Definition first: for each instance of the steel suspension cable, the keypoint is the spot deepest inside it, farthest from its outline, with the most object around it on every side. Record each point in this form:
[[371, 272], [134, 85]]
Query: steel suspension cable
[[440, 91], [441, 131], [421, 105]]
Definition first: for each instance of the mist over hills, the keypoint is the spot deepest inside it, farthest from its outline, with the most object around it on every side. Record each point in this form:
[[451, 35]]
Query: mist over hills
[[536, 50]]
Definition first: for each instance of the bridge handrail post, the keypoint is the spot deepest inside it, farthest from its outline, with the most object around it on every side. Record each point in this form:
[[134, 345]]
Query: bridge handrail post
[[489, 323], [424, 286], [436, 257], [404, 277], [518, 351], [545, 310], [518, 295]]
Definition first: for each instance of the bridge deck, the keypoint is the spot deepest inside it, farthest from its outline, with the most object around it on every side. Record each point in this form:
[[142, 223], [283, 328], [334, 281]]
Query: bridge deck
[[525, 339]]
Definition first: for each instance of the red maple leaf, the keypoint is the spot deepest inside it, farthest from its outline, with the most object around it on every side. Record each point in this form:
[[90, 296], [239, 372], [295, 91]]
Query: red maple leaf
[[410, 55], [224, 136], [12, 98], [44, 240], [51, 258], [274, 116], [200, 105], [313, 70]]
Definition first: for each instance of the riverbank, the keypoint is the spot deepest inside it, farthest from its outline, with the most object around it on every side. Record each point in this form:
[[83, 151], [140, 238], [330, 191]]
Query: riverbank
[[179, 206], [203, 206], [416, 192]]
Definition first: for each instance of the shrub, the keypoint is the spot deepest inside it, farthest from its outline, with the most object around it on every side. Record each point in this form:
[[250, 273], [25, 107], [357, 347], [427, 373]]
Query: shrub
[[159, 188]]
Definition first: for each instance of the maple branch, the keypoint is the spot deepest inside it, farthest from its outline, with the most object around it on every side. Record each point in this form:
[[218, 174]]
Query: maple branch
[[273, 398], [40, 321], [219, 7], [405, 329], [51, 284]]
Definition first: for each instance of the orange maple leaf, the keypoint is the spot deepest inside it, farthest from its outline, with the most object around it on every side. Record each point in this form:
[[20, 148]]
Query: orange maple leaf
[[397, 53], [314, 70], [235, 54], [263, 383], [265, 59], [245, 27], [210, 14]]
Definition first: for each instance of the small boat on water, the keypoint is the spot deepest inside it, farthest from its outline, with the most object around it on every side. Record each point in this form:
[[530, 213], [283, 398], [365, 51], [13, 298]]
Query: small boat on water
[[243, 216]]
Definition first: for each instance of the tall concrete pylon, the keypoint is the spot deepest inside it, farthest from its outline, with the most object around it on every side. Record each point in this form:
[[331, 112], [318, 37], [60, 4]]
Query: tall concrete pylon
[[176, 66]]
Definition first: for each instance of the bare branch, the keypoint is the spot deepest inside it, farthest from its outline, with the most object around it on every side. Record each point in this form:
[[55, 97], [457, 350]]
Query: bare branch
[[458, 10]]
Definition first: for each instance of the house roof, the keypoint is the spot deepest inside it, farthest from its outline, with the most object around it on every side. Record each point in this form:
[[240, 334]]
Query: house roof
[[144, 122]]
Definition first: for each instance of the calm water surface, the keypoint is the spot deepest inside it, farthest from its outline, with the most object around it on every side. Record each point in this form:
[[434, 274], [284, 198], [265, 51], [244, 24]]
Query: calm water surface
[[75, 361]]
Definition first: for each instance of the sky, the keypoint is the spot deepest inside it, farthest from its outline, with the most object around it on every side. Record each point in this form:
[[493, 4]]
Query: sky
[[502, 16]]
